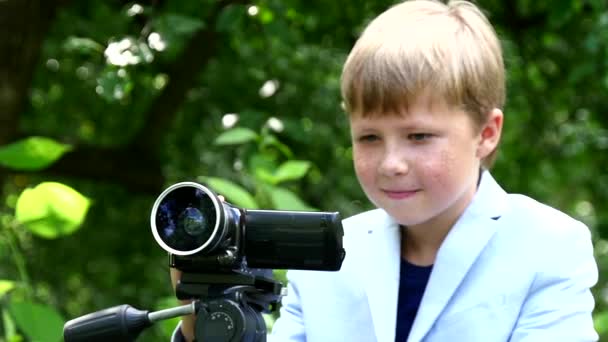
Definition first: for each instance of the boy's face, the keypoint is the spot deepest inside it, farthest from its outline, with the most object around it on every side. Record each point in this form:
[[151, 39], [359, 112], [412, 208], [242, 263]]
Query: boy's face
[[421, 166]]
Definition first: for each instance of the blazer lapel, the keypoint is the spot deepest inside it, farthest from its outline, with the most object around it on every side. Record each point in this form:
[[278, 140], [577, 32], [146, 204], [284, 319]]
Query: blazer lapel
[[381, 279], [458, 252]]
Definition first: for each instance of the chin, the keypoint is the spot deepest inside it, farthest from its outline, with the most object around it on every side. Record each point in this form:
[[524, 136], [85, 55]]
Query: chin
[[406, 221]]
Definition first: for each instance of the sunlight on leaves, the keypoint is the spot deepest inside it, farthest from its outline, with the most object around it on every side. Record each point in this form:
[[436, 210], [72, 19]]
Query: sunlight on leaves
[[269, 320], [6, 286], [82, 45], [51, 209], [8, 324], [601, 322], [32, 154], [292, 170], [235, 136]]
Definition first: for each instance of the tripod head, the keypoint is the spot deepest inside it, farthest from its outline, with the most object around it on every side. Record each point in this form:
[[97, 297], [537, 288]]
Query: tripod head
[[230, 305], [229, 308]]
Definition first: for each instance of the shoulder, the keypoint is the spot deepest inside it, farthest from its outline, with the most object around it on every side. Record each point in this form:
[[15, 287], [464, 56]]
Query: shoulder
[[521, 216], [558, 251], [538, 218], [552, 238]]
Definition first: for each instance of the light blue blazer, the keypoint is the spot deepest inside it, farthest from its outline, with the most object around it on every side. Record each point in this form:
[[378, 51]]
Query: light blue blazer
[[511, 269]]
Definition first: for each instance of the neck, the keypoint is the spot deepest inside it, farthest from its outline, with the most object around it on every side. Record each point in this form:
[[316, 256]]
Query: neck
[[420, 248]]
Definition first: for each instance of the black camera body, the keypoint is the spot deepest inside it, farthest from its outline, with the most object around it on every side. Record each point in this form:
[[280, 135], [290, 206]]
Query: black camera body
[[204, 234]]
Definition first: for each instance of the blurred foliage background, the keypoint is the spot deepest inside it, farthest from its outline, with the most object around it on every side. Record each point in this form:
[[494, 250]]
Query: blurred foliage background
[[104, 103]]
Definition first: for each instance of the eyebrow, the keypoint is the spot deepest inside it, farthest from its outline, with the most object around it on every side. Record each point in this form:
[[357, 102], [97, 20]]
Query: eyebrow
[[405, 126]]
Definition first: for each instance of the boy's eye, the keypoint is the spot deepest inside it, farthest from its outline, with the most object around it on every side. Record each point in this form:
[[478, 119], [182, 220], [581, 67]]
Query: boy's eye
[[368, 138], [419, 136]]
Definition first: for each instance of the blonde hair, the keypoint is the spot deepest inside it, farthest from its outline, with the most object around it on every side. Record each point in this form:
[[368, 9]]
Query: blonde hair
[[449, 51]]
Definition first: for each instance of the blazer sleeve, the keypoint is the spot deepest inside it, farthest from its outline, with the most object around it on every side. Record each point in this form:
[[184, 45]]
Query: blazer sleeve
[[559, 304], [290, 324]]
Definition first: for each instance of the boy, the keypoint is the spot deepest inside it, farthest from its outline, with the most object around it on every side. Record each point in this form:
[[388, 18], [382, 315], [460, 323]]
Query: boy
[[448, 256]]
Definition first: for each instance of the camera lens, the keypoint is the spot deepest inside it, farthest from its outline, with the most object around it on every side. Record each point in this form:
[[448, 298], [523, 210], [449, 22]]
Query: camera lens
[[192, 221], [185, 218]]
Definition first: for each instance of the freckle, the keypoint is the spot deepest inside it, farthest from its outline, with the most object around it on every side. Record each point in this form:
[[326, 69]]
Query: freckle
[[446, 162]]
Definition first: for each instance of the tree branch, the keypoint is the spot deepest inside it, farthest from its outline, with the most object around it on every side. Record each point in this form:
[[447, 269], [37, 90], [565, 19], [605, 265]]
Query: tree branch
[[136, 167], [125, 167], [182, 77]]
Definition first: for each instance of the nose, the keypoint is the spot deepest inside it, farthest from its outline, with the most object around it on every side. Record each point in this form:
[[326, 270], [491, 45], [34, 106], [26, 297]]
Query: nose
[[393, 163]]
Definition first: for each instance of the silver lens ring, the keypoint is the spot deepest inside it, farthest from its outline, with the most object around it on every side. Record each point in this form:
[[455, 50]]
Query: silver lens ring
[[219, 214]]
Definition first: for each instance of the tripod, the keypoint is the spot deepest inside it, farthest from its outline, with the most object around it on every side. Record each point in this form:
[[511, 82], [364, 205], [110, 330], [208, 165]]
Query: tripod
[[230, 305]]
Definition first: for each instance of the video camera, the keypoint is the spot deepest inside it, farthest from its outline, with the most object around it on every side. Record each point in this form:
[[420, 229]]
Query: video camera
[[226, 255], [202, 233]]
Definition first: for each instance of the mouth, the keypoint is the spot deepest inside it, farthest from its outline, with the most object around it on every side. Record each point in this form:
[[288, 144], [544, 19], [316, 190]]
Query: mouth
[[400, 194]]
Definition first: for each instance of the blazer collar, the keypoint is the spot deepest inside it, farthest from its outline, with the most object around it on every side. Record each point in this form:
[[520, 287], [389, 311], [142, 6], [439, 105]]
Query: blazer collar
[[457, 253], [381, 272]]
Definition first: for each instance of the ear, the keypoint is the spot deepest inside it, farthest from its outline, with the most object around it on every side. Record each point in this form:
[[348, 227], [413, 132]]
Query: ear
[[490, 133]]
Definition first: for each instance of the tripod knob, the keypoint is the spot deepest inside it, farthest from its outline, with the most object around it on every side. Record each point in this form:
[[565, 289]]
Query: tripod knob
[[224, 320], [221, 324]]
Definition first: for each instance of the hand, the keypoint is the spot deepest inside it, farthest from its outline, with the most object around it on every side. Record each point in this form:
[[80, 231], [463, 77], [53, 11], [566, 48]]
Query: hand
[[188, 322]]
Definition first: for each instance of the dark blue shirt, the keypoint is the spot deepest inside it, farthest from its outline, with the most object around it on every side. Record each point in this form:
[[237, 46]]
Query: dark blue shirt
[[413, 280]]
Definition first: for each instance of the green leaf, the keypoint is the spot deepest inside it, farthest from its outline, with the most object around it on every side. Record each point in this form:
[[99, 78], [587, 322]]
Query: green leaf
[[10, 330], [280, 275], [270, 140], [51, 209], [283, 199], [233, 192], [600, 320], [83, 45], [262, 161], [266, 15], [235, 136], [38, 322], [230, 17], [6, 286], [179, 24], [292, 170], [269, 320], [32, 154], [262, 166], [264, 176]]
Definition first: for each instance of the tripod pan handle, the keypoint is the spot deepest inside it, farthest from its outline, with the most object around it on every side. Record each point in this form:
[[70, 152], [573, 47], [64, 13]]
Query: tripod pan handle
[[121, 323]]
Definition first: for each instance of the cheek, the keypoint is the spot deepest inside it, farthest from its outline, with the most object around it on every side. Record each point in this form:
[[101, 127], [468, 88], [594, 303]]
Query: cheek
[[439, 169], [364, 166], [450, 169]]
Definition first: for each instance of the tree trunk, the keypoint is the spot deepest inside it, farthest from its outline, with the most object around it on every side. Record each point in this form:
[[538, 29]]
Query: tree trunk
[[23, 25]]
